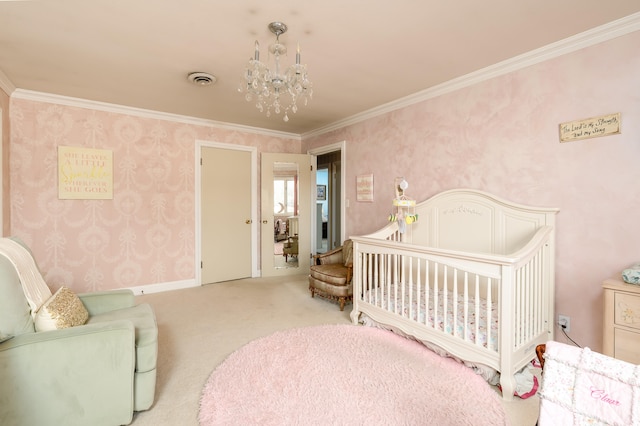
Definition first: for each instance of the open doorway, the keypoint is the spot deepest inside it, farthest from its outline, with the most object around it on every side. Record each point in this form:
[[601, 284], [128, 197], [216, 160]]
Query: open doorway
[[336, 206], [329, 201]]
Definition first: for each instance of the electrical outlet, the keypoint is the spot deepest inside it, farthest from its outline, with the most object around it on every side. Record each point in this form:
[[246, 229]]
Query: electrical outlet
[[564, 322]]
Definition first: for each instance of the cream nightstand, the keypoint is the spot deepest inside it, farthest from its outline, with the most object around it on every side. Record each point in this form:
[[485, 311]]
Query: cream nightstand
[[621, 334]]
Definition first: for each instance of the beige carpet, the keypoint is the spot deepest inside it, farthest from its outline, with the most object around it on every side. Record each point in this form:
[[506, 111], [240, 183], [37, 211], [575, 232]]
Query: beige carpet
[[200, 327]]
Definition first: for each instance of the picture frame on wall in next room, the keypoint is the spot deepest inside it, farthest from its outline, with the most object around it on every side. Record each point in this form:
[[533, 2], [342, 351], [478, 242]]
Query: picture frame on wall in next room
[[321, 192]]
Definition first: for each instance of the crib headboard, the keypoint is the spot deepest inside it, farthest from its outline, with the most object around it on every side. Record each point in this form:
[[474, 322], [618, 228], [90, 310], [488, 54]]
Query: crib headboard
[[475, 221]]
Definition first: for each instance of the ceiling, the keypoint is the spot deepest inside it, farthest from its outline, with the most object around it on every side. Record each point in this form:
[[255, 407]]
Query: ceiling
[[360, 53]]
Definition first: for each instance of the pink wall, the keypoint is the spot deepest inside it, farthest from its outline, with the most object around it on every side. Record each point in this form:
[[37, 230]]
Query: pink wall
[[145, 235], [501, 136]]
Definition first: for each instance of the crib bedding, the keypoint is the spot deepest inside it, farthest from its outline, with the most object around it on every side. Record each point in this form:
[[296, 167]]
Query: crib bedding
[[584, 387], [415, 306], [491, 375]]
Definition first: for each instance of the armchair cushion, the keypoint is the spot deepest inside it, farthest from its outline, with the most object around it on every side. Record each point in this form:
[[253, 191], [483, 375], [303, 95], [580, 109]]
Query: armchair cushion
[[99, 302], [64, 309], [146, 352], [146, 337], [332, 273]]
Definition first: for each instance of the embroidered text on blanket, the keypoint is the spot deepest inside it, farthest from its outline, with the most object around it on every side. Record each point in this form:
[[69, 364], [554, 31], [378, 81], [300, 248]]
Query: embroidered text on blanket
[[601, 395]]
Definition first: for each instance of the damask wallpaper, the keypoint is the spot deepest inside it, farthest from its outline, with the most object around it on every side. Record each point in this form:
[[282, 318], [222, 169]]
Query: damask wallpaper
[[499, 135], [145, 234]]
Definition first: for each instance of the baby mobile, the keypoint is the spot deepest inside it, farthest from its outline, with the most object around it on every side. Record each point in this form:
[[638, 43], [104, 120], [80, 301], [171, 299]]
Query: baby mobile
[[404, 211]]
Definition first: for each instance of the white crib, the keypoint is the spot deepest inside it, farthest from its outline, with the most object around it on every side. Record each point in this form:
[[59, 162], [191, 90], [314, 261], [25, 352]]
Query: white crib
[[473, 277]]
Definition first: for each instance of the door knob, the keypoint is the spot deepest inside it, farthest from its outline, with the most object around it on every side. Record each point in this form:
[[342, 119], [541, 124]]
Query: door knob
[[265, 221], [248, 221]]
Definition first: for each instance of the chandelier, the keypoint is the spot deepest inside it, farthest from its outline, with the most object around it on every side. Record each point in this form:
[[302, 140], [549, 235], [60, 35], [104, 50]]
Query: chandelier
[[279, 89]]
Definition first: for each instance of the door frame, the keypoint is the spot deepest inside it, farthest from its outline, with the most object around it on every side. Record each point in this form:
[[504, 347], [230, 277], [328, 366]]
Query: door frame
[[342, 147], [198, 204]]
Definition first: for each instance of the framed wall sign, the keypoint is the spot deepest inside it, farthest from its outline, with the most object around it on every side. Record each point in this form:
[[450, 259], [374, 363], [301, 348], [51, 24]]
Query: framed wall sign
[[593, 127], [85, 173], [364, 188]]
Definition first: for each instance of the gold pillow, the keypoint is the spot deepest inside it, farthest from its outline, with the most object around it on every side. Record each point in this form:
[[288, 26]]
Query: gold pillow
[[64, 309]]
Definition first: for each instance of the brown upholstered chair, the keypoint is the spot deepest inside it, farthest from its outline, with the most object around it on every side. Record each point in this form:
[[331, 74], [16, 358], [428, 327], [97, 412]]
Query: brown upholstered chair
[[290, 248], [330, 275]]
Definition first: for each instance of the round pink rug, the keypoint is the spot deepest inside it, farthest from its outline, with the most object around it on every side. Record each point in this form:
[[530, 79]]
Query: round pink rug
[[345, 375]]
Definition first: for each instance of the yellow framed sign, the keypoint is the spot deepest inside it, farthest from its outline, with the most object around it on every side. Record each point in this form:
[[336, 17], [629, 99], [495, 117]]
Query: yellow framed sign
[[85, 173]]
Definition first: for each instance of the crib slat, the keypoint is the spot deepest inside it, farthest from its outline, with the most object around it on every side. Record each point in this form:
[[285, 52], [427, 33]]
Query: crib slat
[[477, 307], [403, 284], [388, 283], [488, 316], [418, 290], [411, 309], [528, 301], [466, 305], [445, 300], [435, 295], [518, 306], [455, 304], [427, 295]]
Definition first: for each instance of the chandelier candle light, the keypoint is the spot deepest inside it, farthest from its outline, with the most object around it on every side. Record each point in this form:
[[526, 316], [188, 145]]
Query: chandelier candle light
[[276, 90]]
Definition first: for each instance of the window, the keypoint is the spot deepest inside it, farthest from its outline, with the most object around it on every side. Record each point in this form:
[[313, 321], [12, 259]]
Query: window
[[285, 187]]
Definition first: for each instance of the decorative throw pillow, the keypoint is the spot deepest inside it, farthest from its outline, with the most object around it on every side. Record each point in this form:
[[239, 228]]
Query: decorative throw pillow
[[64, 309]]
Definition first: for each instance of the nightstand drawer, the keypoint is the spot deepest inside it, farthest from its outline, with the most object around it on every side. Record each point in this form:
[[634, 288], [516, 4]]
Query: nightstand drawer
[[627, 346], [627, 310], [621, 320]]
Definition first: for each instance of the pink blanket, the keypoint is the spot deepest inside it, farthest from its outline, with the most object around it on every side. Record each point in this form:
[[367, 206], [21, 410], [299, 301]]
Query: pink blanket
[[584, 387]]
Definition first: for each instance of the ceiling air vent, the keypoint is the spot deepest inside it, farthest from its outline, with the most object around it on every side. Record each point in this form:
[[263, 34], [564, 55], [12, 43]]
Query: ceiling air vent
[[201, 78]]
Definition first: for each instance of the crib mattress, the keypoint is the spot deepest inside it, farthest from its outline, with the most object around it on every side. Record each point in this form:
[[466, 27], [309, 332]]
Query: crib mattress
[[416, 307]]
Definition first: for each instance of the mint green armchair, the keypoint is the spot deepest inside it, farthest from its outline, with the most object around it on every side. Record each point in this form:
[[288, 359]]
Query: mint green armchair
[[93, 374]]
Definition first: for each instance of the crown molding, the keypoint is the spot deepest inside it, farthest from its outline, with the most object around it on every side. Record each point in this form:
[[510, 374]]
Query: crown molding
[[144, 113], [5, 84], [579, 41], [585, 39]]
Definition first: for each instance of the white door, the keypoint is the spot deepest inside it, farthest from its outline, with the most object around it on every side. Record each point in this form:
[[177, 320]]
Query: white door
[[225, 214], [287, 177]]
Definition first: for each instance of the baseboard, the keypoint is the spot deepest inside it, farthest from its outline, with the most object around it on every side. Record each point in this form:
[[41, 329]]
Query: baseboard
[[161, 287]]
